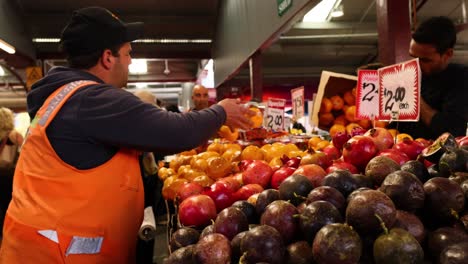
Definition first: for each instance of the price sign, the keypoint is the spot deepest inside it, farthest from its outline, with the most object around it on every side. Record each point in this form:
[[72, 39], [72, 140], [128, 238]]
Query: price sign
[[297, 100], [367, 95], [400, 89], [274, 114]]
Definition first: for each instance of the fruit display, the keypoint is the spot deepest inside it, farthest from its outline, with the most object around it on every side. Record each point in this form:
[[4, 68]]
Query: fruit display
[[369, 196]]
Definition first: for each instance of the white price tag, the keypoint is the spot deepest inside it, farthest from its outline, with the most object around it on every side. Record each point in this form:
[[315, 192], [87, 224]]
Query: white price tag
[[274, 114], [367, 95], [400, 89], [297, 100]]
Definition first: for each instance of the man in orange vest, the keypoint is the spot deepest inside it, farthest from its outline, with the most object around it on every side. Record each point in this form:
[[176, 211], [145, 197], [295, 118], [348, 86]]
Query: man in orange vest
[[77, 192]]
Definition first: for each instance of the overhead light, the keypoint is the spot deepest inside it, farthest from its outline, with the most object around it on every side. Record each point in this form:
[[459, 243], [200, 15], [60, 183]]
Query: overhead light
[[2, 72], [145, 41], [141, 85], [138, 66], [321, 11], [337, 12], [46, 40], [7, 47]]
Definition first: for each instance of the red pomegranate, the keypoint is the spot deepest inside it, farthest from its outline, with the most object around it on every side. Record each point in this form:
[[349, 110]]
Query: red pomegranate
[[411, 148], [332, 152], [381, 137], [396, 155], [341, 165], [339, 139], [359, 150]]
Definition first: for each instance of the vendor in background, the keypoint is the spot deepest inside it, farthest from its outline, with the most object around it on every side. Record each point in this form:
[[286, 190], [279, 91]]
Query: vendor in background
[[444, 86], [78, 194], [10, 143], [199, 97]]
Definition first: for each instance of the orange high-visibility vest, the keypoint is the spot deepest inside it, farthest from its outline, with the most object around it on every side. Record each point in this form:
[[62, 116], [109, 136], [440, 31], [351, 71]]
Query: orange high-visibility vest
[[60, 214]]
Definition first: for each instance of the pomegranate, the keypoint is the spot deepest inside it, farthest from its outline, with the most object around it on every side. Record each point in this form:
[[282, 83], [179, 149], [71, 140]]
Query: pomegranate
[[411, 148], [197, 210], [246, 191], [221, 194], [339, 139], [280, 175], [332, 152], [318, 158], [313, 172], [341, 165], [189, 189], [357, 131], [359, 150], [396, 155], [291, 162], [382, 138], [243, 164], [258, 171]]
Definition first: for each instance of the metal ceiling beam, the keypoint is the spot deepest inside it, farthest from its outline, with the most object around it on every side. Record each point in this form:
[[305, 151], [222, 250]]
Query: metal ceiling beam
[[334, 25]]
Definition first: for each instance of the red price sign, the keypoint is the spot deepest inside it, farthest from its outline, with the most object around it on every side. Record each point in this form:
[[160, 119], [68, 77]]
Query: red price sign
[[367, 95], [400, 88], [274, 114], [297, 100]]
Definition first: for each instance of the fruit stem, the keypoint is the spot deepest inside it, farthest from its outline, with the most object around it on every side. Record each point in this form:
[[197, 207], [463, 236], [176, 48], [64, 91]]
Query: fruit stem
[[382, 224], [454, 214], [446, 165], [299, 196]]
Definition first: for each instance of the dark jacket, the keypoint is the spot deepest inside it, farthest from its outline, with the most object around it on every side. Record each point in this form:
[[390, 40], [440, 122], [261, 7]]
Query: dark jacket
[[446, 92], [99, 119]]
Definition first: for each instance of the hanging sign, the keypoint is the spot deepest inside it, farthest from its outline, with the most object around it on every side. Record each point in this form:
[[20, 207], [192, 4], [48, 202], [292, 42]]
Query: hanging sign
[[297, 100], [367, 95], [399, 91], [33, 74], [274, 114], [283, 6]]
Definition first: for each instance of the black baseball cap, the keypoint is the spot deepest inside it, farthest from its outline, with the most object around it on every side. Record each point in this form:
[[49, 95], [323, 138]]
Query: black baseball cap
[[95, 28]]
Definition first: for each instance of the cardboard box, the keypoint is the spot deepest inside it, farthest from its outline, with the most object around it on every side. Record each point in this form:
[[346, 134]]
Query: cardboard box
[[331, 84]]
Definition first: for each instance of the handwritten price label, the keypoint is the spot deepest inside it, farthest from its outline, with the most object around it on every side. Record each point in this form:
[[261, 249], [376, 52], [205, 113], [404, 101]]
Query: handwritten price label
[[367, 95], [400, 89], [297, 99], [274, 117]]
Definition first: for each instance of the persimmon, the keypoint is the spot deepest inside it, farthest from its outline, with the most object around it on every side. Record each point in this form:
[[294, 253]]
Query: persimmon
[[326, 119], [349, 98], [364, 123], [382, 124], [322, 144], [350, 113], [340, 120], [252, 153], [400, 137], [313, 141], [337, 128], [337, 102], [326, 105]]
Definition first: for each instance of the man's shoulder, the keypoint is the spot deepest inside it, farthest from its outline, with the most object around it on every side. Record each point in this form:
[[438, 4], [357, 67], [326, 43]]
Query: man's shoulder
[[458, 69]]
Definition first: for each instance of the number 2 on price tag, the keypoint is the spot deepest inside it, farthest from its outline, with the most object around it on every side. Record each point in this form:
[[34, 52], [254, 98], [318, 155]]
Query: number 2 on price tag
[[367, 95], [274, 118], [400, 91]]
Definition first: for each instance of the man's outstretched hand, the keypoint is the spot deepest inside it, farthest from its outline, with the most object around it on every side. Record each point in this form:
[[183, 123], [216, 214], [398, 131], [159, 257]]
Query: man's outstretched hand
[[237, 115]]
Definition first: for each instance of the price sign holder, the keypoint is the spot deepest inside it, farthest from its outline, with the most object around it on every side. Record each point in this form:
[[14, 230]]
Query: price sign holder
[[400, 91], [367, 95], [297, 101], [274, 114]]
